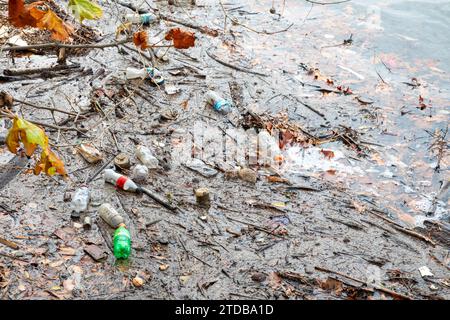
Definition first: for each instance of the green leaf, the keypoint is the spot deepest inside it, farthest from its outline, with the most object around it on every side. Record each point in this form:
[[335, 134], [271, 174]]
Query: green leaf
[[85, 9]]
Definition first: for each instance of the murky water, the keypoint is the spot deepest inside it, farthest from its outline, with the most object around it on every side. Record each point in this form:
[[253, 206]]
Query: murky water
[[399, 60]]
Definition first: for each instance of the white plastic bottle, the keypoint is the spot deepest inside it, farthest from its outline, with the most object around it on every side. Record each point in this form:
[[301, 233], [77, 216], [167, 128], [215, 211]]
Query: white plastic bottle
[[146, 18], [80, 200], [110, 215], [268, 150], [145, 73], [219, 104], [140, 173], [146, 157], [120, 181]]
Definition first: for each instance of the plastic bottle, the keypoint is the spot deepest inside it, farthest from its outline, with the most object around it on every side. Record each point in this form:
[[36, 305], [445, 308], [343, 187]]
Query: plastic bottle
[[146, 157], [145, 73], [140, 173], [219, 104], [122, 242], [120, 181], [110, 215], [80, 200], [146, 18], [268, 150]]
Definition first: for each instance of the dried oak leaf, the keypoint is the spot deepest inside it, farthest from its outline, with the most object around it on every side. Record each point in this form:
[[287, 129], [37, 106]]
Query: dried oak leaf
[[327, 153], [181, 39], [140, 39], [29, 134], [50, 164], [48, 20], [19, 14]]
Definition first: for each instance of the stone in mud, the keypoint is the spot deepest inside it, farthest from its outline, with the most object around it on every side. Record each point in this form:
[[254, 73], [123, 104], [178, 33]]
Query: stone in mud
[[258, 277], [248, 175]]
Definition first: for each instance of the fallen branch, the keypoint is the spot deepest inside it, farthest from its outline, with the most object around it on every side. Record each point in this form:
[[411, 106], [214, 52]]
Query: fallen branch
[[376, 287], [229, 65]]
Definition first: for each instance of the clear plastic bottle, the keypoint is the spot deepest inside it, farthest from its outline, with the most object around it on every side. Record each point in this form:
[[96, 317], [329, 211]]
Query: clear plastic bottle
[[80, 200], [219, 104], [120, 181], [140, 173], [146, 18], [110, 215], [145, 73], [145, 155], [268, 150]]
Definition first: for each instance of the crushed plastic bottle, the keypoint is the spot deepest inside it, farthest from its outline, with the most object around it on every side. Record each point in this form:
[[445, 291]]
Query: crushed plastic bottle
[[120, 181], [219, 104], [110, 215], [145, 19], [140, 173], [145, 155], [122, 242], [80, 200], [145, 73], [268, 150]]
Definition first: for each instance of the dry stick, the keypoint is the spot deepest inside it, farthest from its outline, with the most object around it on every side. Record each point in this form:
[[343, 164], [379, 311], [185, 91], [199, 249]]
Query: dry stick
[[229, 65], [9, 72], [309, 107], [46, 108], [8, 243], [377, 287], [192, 255], [256, 227], [403, 229], [325, 3], [75, 46]]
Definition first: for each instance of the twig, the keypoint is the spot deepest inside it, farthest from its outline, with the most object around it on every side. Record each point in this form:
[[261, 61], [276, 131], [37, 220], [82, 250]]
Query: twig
[[8, 243], [325, 3], [377, 287], [75, 46], [229, 65]]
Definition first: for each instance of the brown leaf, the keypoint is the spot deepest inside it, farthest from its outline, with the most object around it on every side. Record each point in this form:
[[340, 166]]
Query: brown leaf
[[327, 153], [50, 164], [181, 39], [140, 39]]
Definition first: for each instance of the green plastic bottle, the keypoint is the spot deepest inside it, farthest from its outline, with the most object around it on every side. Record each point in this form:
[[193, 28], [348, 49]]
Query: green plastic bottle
[[122, 242]]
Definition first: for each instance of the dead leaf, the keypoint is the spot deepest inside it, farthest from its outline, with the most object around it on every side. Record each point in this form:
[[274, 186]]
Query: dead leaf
[[140, 39], [50, 164], [181, 39], [327, 153]]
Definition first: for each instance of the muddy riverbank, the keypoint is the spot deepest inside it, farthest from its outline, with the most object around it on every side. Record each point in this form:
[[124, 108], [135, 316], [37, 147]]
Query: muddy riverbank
[[333, 221]]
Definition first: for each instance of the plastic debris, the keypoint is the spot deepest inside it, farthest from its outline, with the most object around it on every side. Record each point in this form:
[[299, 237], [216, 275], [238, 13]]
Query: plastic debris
[[201, 167], [145, 19], [425, 272], [122, 161], [202, 197], [89, 153], [80, 201], [145, 73], [120, 181], [219, 104], [146, 156], [140, 173], [110, 215], [122, 242]]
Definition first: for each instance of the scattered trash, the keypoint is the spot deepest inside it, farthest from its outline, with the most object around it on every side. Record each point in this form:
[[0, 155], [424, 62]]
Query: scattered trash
[[219, 104], [171, 89], [199, 166], [268, 150], [122, 161], [140, 173], [145, 73], [146, 156], [145, 19], [425, 272], [163, 267], [110, 215], [87, 223], [89, 153], [122, 242], [120, 181], [80, 201], [202, 197]]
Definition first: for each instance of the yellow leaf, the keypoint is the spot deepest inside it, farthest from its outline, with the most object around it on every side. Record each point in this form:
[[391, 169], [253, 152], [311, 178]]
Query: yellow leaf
[[85, 9], [29, 134], [50, 164]]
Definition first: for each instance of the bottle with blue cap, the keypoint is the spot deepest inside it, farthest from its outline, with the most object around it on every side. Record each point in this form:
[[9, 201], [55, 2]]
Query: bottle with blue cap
[[146, 18], [145, 73], [219, 104]]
